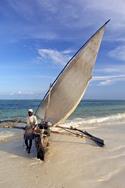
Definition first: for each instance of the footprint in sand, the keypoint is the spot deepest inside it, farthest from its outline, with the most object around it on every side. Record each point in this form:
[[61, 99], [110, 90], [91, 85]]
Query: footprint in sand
[[36, 162], [13, 156], [109, 175]]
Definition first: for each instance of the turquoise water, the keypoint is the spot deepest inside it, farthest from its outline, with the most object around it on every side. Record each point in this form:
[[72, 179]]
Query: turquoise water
[[87, 109], [10, 109], [99, 108]]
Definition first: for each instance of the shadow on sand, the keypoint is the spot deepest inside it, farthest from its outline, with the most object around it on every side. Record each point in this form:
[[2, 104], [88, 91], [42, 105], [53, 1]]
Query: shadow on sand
[[16, 146]]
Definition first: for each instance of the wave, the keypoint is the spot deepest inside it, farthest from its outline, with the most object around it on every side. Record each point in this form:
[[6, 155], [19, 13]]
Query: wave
[[5, 135], [88, 123], [93, 122]]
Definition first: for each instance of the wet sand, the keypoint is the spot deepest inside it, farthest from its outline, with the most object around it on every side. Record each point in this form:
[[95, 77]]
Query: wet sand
[[70, 161]]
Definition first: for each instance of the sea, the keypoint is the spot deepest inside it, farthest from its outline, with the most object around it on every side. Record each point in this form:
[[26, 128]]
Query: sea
[[87, 112]]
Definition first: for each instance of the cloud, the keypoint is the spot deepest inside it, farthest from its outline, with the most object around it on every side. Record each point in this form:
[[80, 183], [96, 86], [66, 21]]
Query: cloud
[[23, 94], [108, 80], [112, 70], [49, 21], [118, 53], [111, 75], [54, 56], [102, 10]]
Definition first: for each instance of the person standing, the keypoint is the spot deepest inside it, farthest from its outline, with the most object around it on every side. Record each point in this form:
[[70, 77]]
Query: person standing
[[29, 130]]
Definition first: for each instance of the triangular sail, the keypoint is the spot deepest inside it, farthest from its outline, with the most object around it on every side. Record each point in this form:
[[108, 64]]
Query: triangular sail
[[69, 87]]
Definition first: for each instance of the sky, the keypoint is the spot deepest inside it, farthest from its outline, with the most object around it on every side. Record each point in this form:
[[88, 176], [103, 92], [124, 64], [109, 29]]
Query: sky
[[37, 38]]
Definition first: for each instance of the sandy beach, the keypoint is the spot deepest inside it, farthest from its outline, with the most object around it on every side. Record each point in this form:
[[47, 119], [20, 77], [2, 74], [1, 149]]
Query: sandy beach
[[70, 161]]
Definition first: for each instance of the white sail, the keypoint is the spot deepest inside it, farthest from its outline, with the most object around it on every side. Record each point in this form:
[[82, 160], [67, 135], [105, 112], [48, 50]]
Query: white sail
[[69, 87]]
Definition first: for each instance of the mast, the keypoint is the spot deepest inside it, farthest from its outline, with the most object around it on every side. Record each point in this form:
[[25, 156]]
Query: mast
[[48, 102]]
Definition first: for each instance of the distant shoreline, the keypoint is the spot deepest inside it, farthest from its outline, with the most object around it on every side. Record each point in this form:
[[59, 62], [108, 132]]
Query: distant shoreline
[[81, 100]]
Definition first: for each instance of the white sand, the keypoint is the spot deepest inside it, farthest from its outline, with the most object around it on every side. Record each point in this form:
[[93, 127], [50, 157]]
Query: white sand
[[70, 162]]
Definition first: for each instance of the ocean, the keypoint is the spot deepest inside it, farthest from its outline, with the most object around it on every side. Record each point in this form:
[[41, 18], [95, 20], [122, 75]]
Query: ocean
[[87, 112]]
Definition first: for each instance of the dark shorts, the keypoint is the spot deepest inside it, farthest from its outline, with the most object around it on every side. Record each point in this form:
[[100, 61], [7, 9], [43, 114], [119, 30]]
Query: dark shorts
[[28, 134]]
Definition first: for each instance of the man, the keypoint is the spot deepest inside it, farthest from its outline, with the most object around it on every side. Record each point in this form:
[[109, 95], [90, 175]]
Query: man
[[29, 130], [31, 119]]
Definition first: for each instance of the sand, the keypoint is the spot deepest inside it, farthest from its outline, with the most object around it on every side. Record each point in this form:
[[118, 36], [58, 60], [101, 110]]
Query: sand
[[70, 162]]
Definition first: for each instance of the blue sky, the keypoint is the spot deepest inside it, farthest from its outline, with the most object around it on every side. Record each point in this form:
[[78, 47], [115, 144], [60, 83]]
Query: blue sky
[[38, 37]]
